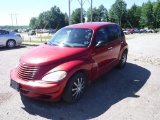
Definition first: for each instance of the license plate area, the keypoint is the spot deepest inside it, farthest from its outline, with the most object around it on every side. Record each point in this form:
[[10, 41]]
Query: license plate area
[[14, 85]]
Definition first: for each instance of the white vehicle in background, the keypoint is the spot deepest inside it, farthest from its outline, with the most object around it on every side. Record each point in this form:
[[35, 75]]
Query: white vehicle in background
[[9, 39], [150, 31], [126, 32]]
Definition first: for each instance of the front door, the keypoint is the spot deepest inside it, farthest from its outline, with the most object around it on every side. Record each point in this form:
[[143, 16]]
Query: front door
[[102, 55]]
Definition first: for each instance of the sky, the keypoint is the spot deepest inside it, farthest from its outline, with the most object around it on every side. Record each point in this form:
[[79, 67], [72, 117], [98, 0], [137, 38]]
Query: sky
[[23, 10]]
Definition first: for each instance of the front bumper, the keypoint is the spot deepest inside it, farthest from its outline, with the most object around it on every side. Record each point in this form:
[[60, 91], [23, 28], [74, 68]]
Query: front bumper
[[37, 89]]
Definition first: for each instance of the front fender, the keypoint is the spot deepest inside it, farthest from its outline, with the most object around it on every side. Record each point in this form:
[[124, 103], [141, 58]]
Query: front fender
[[72, 67]]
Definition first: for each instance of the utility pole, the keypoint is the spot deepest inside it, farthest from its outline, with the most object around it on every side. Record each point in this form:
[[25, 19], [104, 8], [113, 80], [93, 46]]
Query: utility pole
[[81, 11], [69, 17], [81, 3], [12, 20], [69, 2], [91, 9], [16, 21]]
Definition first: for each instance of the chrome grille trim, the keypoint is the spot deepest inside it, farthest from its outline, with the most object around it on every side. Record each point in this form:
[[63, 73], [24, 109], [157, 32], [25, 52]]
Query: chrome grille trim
[[26, 72]]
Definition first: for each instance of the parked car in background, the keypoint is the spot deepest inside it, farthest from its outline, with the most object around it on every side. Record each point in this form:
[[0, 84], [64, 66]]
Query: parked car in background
[[137, 31], [143, 31], [126, 32], [9, 39], [39, 30], [74, 57], [32, 32], [150, 30], [156, 30], [131, 31], [51, 31]]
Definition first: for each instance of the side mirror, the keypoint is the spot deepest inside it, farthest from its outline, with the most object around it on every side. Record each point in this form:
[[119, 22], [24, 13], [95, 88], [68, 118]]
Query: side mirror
[[101, 43]]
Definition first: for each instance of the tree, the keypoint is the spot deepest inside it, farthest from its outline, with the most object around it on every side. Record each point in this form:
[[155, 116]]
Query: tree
[[76, 16], [98, 15], [66, 19], [134, 15], [103, 13], [52, 18], [146, 15], [118, 11], [32, 23], [156, 14], [95, 15]]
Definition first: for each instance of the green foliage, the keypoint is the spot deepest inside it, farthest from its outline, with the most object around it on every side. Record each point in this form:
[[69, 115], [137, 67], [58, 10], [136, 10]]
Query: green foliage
[[147, 15], [133, 16], [118, 11], [52, 18], [33, 22], [76, 16], [98, 15], [156, 14]]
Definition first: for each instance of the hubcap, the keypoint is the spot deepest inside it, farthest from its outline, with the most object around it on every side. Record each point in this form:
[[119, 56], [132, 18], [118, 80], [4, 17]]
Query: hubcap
[[123, 58], [78, 88], [11, 43]]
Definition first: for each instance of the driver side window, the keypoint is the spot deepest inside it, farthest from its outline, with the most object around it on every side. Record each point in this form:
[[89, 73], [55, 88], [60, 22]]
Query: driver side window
[[101, 35]]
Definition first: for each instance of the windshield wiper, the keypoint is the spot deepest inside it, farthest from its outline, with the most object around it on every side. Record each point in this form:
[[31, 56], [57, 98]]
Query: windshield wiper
[[50, 43], [67, 45], [64, 44]]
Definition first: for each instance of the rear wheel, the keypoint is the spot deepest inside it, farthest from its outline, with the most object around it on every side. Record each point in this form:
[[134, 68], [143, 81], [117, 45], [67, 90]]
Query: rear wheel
[[123, 60], [75, 87], [11, 43]]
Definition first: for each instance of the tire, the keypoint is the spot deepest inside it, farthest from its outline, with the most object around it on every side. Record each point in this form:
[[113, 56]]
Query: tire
[[123, 60], [75, 87], [11, 43]]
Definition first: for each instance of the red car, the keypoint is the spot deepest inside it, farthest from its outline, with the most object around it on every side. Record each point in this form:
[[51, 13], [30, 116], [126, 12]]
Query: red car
[[75, 56], [131, 31]]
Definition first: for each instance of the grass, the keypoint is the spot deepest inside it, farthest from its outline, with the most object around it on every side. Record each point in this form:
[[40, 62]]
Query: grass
[[35, 41], [44, 37]]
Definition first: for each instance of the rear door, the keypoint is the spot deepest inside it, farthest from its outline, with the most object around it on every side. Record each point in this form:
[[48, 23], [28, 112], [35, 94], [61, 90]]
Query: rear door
[[3, 37], [115, 41]]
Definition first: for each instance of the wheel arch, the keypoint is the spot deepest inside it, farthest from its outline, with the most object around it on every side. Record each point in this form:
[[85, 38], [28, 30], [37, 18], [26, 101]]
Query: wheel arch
[[123, 50], [84, 71], [9, 40]]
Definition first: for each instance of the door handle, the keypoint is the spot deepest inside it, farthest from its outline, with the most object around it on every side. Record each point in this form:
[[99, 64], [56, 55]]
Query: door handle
[[110, 48]]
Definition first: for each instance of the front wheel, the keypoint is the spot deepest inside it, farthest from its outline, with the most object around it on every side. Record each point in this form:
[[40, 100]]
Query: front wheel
[[75, 87], [123, 60], [11, 43]]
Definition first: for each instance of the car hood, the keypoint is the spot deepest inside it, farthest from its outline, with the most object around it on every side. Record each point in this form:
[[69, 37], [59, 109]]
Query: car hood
[[46, 54]]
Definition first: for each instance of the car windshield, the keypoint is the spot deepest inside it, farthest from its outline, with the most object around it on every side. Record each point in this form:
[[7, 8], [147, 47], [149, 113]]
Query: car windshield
[[72, 37]]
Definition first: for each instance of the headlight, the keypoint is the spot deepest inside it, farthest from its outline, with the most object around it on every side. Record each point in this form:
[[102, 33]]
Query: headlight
[[54, 76]]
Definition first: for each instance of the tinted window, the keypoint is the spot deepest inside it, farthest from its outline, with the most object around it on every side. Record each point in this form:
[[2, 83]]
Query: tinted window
[[113, 33], [121, 34], [3, 32], [101, 35]]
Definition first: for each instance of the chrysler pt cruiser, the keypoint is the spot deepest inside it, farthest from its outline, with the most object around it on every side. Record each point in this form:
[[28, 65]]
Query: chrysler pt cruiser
[[75, 56]]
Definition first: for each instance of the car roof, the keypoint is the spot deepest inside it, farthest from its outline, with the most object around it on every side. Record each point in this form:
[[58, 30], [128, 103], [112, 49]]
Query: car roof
[[91, 25]]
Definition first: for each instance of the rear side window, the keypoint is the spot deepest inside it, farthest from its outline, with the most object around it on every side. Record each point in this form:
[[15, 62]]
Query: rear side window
[[3, 32], [121, 34], [113, 33]]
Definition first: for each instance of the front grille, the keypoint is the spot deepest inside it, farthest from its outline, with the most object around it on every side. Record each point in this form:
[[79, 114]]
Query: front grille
[[26, 72]]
